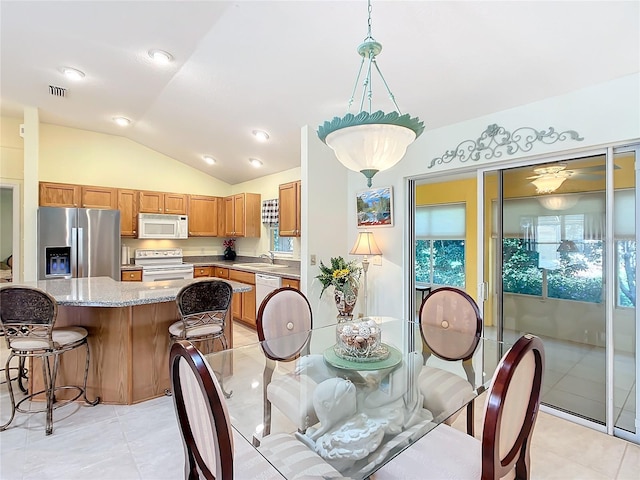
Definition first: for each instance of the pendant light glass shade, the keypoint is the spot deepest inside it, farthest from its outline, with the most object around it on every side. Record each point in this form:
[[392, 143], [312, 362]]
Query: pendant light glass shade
[[370, 142]]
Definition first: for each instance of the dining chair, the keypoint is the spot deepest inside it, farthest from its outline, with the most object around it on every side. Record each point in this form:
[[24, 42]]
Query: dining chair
[[203, 307], [212, 449], [450, 326], [28, 316], [284, 323], [510, 413]]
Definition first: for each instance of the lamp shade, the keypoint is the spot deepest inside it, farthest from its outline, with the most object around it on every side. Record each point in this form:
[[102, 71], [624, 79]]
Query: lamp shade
[[370, 147], [365, 245]]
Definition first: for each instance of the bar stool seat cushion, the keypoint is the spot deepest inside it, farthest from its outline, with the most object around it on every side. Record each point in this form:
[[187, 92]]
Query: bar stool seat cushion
[[177, 330], [443, 391], [294, 395], [62, 337]]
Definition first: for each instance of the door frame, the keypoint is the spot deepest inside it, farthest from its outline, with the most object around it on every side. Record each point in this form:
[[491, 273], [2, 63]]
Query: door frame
[[17, 234]]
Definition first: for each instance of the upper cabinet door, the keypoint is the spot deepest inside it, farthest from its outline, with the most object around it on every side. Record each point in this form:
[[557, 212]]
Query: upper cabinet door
[[242, 215], [203, 216], [289, 208], [59, 195], [175, 203], [151, 202], [99, 197], [128, 206]]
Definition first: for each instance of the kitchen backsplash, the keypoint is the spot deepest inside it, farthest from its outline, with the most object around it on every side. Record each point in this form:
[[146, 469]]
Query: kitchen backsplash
[[250, 247]]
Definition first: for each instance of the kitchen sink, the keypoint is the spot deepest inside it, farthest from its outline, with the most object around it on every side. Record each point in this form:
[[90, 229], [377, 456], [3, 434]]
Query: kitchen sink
[[258, 265]]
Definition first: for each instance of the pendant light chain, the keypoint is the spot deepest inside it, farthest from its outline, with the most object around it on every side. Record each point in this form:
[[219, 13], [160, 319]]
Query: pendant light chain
[[367, 85], [369, 9]]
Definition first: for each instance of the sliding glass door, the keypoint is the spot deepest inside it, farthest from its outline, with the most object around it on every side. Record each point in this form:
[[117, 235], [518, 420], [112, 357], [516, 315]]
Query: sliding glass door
[[558, 248]]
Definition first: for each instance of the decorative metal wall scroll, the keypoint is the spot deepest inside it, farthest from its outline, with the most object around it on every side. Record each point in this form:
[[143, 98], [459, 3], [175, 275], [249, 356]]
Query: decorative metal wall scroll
[[496, 141]]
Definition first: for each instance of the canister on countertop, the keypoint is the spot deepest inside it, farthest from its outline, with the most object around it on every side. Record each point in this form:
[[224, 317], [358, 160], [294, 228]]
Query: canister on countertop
[[124, 256]]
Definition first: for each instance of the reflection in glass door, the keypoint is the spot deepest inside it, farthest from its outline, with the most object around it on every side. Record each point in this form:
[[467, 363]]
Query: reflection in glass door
[[547, 272]]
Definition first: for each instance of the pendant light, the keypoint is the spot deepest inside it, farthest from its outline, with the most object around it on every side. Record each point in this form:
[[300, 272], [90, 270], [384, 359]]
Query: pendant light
[[370, 142]]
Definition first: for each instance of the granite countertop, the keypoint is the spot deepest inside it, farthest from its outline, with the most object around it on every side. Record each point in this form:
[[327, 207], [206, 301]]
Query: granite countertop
[[106, 292]]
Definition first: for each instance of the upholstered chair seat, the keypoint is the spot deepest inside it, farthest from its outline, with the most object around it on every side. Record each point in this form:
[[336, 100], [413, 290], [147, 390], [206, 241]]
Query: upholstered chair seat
[[502, 452]]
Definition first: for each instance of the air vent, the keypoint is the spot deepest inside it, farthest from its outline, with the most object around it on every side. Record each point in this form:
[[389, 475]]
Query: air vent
[[57, 91]]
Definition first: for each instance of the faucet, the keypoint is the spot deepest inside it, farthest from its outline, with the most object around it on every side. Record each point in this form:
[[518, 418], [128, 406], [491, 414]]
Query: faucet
[[268, 256]]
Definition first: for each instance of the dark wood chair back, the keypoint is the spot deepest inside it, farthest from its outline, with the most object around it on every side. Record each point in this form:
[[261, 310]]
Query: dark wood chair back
[[204, 422], [511, 409], [450, 323]]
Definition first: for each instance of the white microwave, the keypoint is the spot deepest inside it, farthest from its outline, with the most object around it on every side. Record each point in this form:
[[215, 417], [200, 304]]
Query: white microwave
[[153, 225]]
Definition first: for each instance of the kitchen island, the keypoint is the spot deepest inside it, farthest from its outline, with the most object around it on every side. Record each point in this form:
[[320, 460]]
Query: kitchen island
[[128, 325]]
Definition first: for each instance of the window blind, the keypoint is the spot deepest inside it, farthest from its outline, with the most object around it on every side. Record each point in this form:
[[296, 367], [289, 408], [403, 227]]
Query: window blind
[[441, 222]]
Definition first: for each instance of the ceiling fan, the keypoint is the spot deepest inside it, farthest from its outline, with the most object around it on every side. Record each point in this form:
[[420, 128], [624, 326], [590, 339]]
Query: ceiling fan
[[548, 178]]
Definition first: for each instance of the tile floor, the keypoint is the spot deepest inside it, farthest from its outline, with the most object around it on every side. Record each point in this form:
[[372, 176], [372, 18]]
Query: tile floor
[[143, 442]]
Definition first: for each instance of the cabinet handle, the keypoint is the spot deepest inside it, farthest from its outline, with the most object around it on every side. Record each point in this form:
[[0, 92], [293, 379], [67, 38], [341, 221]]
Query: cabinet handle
[[131, 275]]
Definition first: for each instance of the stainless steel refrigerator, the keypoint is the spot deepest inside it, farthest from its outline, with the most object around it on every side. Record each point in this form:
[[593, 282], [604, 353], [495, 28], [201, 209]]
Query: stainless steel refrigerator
[[78, 242]]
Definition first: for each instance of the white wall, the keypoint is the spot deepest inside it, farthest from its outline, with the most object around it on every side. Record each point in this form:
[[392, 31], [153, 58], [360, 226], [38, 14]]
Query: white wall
[[603, 114], [325, 220]]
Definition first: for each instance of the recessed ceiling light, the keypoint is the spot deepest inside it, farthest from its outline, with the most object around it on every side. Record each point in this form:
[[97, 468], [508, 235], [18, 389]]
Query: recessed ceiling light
[[122, 121], [160, 56], [72, 73], [261, 135], [209, 159], [255, 162]]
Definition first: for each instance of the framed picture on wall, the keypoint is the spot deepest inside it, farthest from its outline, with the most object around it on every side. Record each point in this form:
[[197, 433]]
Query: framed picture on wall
[[374, 207]]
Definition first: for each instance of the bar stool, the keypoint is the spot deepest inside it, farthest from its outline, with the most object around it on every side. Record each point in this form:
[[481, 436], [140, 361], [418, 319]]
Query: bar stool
[[28, 316]]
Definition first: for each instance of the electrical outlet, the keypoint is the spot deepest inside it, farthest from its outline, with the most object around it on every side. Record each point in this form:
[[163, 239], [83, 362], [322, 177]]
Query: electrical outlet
[[377, 260], [312, 259]]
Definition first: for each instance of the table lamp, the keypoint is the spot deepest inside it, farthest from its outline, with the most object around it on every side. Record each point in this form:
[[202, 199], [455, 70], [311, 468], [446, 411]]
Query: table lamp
[[365, 245]]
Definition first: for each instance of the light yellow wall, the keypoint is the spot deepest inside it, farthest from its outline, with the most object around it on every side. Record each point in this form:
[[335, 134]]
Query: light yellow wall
[[69, 155], [11, 149], [455, 192]]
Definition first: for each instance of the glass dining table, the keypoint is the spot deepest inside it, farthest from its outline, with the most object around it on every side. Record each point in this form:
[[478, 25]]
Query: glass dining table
[[369, 408]]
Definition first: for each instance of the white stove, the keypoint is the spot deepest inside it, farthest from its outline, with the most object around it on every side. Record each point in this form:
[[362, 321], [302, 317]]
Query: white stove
[[162, 264]]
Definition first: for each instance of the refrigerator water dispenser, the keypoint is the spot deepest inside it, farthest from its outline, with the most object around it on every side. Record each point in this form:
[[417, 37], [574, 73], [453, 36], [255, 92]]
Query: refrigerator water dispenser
[[58, 261]]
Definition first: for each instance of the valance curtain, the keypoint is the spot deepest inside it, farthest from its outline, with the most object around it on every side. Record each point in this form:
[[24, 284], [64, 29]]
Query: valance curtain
[[270, 212]]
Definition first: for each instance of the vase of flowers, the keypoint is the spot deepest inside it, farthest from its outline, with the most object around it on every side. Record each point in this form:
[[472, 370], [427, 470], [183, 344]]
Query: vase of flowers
[[345, 278], [229, 252]]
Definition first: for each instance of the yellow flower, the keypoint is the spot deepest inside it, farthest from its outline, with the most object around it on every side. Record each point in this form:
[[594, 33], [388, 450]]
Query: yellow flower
[[338, 274]]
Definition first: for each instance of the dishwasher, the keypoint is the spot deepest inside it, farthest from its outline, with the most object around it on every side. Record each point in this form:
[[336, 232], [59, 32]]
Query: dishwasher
[[265, 284]]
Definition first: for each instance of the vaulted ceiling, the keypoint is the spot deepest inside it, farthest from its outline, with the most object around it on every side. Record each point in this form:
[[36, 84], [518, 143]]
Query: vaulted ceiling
[[279, 65]]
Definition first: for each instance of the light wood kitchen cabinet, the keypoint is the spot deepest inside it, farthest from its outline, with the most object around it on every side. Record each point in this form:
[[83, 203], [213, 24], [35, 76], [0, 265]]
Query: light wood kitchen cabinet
[[291, 282], [60, 195], [77, 196], [289, 208], [128, 206], [243, 306], [221, 272], [176, 203], [202, 272], [203, 216], [99, 197], [159, 202], [131, 276], [242, 215]]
